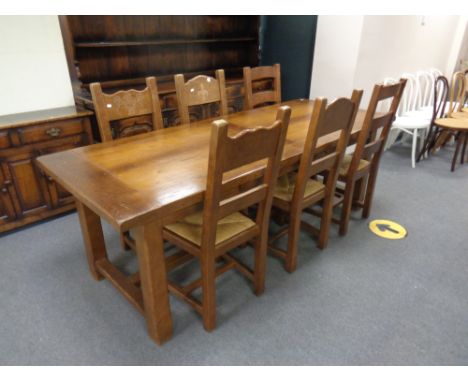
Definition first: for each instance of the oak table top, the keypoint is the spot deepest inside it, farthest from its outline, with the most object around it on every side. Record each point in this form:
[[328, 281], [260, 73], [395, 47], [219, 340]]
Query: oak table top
[[133, 180]]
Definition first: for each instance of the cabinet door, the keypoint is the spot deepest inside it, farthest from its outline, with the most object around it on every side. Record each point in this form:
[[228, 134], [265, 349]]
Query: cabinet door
[[7, 210], [58, 195], [28, 195]]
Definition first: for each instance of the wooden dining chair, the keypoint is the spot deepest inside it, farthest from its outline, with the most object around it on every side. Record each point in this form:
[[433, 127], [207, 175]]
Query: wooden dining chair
[[457, 96], [127, 112], [358, 172], [295, 191], [263, 96], [201, 91], [209, 234], [456, 111]]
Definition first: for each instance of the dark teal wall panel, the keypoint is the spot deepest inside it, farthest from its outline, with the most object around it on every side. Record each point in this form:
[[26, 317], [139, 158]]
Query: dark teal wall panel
[[290, 41]]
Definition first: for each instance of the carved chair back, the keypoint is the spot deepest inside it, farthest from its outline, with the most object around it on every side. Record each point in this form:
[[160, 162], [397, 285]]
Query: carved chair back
[[200, 91], [127, 112]]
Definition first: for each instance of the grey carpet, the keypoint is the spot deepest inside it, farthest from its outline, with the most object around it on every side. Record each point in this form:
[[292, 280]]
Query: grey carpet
[[363, 300]]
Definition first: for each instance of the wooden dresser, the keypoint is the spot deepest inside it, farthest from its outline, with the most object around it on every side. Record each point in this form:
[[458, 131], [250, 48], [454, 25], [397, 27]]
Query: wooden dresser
[[26, 193], [120, 51]]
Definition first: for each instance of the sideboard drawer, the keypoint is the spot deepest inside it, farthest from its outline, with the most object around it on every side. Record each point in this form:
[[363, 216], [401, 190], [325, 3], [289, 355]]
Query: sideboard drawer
[[53, 130]]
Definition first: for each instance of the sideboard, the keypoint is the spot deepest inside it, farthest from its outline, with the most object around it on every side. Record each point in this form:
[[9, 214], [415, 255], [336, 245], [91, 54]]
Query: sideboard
[[26, 193]]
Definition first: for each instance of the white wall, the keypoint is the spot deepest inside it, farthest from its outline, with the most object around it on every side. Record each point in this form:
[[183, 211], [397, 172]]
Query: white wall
[[335, 55], [33, 66], [387, 46]]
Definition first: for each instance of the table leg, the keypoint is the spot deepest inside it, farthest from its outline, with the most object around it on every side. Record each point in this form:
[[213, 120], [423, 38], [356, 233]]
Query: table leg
[[93, 238], [150, 251]]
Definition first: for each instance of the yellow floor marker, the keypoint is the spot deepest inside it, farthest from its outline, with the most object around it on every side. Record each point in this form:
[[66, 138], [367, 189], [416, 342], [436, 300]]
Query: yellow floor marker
[[387, 229]]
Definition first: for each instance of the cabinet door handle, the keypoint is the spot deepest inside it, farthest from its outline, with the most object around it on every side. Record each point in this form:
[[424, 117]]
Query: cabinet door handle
[[54, 132], [6, 184]]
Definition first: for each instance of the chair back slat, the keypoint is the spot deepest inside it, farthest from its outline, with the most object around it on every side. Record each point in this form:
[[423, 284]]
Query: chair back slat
[[372, 147], [200, 90], [243, 200], [263, 97], [226, 153], [323, 163], [238, 150], [251, 75], [389, 90], [262, 72], [128, 107], [381, 121], [334, 120], [128, 103]]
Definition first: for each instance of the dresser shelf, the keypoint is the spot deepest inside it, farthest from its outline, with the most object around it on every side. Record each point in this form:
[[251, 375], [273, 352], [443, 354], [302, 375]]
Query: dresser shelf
[[111, 44]]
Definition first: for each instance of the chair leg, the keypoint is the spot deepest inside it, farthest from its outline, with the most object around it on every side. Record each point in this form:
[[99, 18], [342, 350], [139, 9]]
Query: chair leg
[[465, 139], [293, 237], [433, 140], [455, 155], [360, 189], [414, 148], [370, 192], [424, 152], [421, 142], [346, 208], [465, 147], [123, 243], [326, 220], [209, 292], [260, 264]]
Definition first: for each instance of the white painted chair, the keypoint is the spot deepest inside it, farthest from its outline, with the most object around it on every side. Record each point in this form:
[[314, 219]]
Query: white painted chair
[[409, 120]]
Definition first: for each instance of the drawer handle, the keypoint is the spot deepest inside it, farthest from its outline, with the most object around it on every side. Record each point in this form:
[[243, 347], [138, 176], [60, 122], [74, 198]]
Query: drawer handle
[[54, 132]]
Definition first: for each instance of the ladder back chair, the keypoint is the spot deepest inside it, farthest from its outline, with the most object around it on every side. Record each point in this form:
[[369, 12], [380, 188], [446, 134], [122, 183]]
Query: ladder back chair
[[295, 191], [358, 172], [209, 234], [200, 91], [252, 75], [127, 112]]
